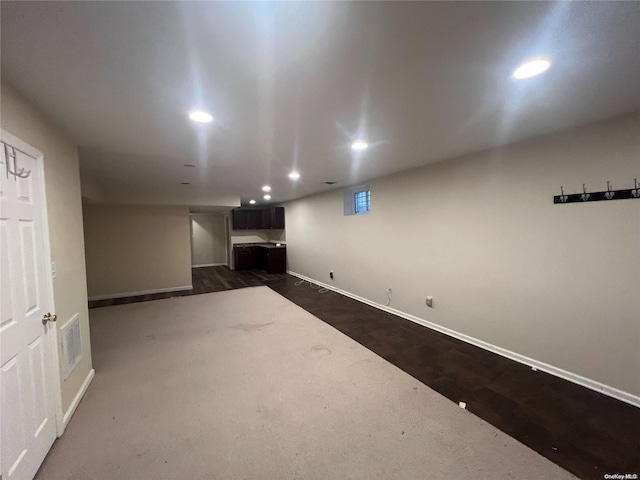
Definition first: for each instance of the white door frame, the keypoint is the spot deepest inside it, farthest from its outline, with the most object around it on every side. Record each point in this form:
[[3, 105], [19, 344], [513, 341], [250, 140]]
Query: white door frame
[[226, 239], [191, 238], [54, 353]]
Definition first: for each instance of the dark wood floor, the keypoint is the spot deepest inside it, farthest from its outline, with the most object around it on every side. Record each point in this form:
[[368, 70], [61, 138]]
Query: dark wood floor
[[204, 280], [587, 433]]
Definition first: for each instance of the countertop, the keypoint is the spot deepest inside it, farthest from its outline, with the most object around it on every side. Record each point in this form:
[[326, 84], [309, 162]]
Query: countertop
[[263, 245]]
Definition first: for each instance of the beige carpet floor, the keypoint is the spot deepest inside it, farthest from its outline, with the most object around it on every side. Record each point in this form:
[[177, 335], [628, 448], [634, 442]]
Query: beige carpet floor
[[244, 384]]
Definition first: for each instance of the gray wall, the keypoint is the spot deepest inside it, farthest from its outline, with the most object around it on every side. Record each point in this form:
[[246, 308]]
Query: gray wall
[[132, 249], [559, 284], [64, 209]]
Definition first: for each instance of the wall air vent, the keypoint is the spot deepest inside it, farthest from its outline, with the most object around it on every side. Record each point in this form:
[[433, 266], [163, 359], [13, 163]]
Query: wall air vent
[[71, 344]]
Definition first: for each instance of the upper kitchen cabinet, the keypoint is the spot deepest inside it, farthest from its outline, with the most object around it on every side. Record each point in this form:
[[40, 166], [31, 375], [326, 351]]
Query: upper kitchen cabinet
[[274, 218], [258, 219], [254, 220], [239, 219]]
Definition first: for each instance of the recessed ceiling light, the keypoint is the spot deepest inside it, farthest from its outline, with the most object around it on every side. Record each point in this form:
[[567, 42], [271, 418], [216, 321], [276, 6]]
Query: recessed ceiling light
[[359, 145], [266, 188], [267, 197], [294, 175], [252, 202], [532, 68], [189, 165], [200, 116]]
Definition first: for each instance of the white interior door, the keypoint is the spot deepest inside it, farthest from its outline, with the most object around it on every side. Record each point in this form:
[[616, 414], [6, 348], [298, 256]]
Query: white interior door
[[28, 396]]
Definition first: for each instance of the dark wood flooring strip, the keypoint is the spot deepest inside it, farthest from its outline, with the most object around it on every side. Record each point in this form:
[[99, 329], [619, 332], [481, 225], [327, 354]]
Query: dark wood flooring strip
[[586, 433], [204, 280]]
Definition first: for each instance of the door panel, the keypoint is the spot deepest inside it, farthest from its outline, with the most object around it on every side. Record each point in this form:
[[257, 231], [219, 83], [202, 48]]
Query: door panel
[[37, 359], [25, 186], [13, 440], [26, 356], [29, 272], [6, 279]]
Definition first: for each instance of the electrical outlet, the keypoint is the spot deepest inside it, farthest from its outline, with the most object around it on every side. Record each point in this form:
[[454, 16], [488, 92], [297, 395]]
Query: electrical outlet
[[331, 274], [389, 291], [429, 302]]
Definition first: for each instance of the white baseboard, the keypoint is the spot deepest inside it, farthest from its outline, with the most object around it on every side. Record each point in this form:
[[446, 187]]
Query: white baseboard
[[143, 292], [76, 400], [558, 372], [209, 265]]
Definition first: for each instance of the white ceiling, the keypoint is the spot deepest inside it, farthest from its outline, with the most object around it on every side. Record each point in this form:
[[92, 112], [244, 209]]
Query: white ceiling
[[292, 84]]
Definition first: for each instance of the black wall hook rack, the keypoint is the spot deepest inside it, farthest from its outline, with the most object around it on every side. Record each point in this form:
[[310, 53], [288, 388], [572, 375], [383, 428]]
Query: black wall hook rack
[[606, 195]]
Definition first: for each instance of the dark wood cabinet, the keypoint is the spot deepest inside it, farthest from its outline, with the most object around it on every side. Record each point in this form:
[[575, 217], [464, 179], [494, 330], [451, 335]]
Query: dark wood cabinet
[[276, 260], [254, 220], [266, 218], [258, 219], [260, 257], [244, 257], [239, 219], [276, 218]]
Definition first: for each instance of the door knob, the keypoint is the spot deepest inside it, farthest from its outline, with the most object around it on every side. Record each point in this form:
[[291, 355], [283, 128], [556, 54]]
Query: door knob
[[49, 318]]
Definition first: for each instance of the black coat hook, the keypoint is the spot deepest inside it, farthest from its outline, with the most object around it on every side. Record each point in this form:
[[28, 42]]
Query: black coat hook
[[563, 197], [608, 194], [585, 196]]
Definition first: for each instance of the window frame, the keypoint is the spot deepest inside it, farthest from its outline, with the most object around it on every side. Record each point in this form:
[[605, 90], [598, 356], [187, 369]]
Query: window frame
[[350, 194], [357, 202]]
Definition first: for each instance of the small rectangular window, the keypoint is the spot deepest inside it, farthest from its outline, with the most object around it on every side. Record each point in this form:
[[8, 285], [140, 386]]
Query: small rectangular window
[[357, 199], [362, 201]]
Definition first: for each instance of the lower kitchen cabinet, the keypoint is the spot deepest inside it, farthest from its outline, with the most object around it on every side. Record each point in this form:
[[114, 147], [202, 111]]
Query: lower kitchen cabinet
[[276, 261], [244, 257], [260, 257]]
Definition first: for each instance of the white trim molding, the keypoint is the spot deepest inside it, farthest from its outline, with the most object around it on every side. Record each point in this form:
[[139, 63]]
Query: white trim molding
[[142, 292], [556, 371], [210, 265], [76, 400]]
